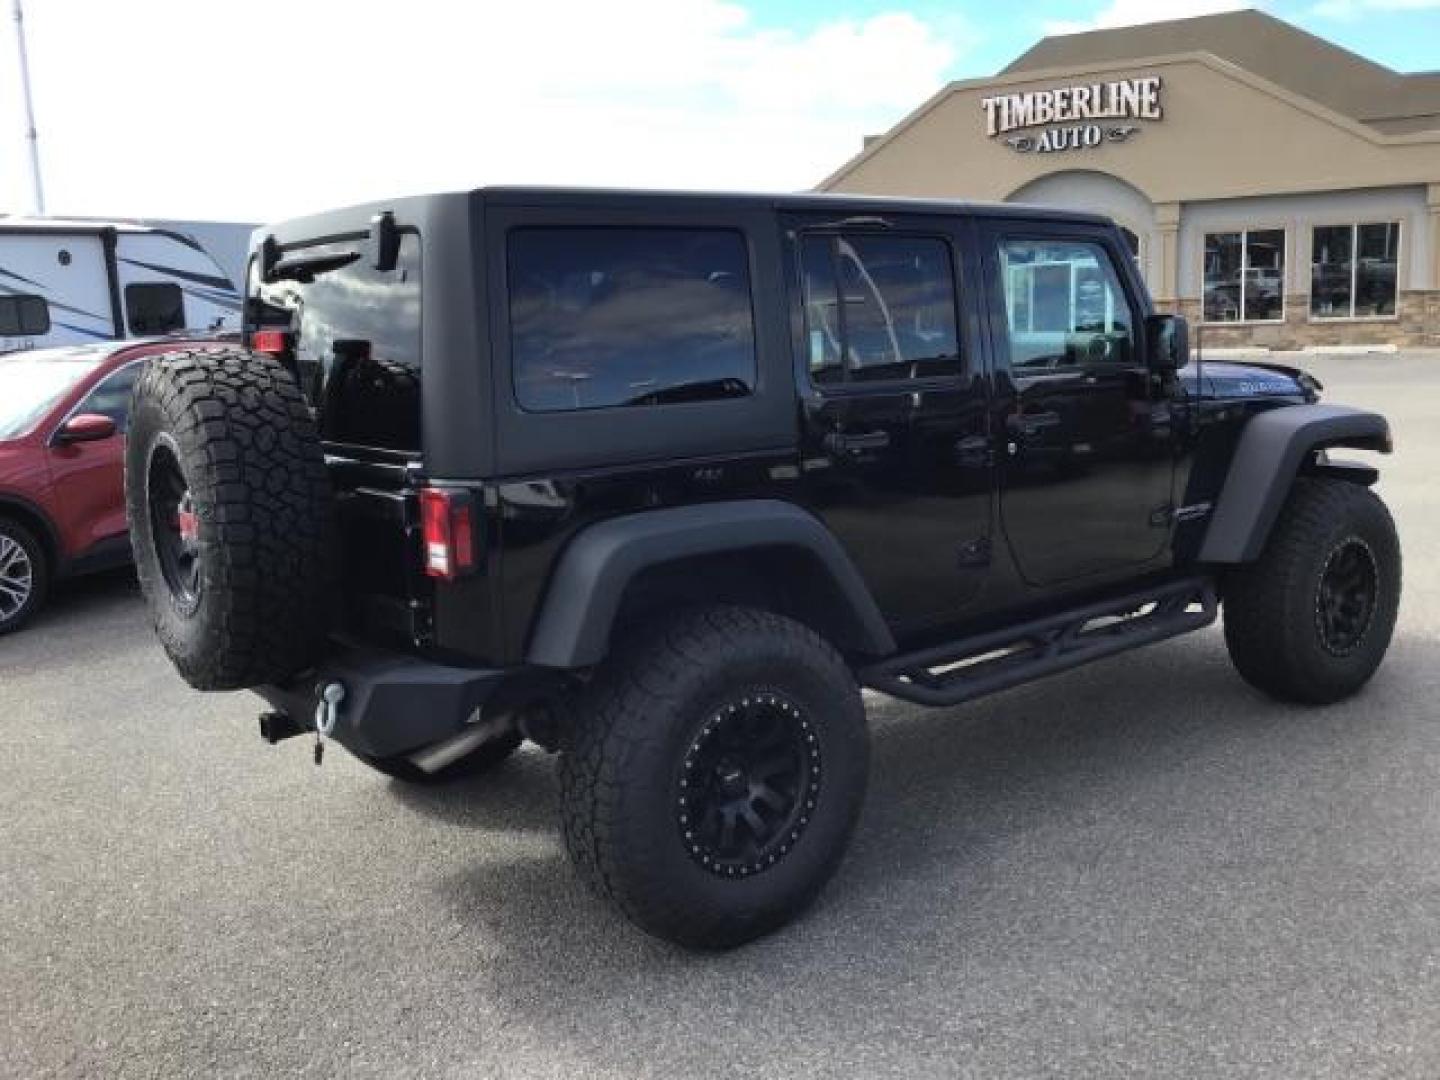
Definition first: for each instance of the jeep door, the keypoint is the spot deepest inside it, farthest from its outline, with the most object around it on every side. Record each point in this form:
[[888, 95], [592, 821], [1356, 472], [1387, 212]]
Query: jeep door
[[1088, 458], [895, 453]]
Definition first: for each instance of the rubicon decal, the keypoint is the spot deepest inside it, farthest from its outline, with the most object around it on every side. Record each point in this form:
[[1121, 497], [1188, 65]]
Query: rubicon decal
[[1071, 115]]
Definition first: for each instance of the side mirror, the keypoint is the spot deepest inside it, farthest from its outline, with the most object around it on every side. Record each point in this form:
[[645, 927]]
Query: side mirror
[[85, 427], [1167, 343]]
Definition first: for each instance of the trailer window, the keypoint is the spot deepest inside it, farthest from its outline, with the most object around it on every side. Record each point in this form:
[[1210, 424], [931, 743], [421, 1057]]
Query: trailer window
[[154, 308], [24, 316]]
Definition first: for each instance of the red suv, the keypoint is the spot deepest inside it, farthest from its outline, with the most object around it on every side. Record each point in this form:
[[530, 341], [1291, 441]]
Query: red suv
[[63, 415]]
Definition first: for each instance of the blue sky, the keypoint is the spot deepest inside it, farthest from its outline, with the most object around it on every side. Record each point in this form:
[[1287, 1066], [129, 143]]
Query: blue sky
[[1402, 34], [256, 110]]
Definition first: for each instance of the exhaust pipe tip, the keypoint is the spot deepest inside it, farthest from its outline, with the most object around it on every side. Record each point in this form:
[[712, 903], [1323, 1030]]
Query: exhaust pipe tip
[[436, 756]]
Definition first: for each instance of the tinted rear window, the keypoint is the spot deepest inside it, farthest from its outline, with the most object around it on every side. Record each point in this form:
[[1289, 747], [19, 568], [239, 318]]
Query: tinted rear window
[[603, 317], [356, 330]]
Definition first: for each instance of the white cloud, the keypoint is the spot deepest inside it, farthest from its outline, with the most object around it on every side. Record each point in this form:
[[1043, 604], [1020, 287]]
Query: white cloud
[[263, 108], [1134, 12], [1350, 10]]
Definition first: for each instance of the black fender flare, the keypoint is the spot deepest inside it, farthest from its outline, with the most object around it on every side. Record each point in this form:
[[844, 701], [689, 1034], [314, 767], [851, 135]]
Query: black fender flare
[[572, 628], [1267, 459]]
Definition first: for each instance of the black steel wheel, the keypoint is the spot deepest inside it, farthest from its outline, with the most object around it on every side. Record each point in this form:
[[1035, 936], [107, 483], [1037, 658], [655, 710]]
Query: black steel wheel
[[712, 774], [1345, 599], [174, 524], [1311, 619], [748, 785]]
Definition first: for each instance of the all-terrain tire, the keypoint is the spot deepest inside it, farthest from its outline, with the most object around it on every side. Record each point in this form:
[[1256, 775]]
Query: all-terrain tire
[[1289, 633], [487, 757], [24, 575], [638, 786], [246, 596]]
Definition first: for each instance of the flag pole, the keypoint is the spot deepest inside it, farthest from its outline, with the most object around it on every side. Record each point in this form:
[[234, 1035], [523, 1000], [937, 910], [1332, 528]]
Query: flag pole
[[32, 138]]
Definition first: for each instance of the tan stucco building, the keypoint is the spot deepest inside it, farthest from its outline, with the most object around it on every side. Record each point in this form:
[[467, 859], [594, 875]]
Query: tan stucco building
[[1276, 188]]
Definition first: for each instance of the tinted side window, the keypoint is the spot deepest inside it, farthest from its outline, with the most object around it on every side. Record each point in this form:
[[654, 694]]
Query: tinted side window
[[356, 334], [112, 396], [604, 317], [154, 308], [24, 316], [886, 305], [1064, 306]]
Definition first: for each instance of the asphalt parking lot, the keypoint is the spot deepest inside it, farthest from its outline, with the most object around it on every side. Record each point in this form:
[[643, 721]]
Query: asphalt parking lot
[[1140, 868]]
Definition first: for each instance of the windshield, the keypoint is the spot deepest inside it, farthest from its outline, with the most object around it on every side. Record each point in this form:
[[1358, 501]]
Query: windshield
[[32, 382]]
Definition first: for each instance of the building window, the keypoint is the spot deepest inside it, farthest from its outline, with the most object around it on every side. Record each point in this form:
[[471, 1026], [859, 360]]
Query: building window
[[1245, 276], [154, 308], [897, 318], [1352, 270], [24, 316], [607, 317]]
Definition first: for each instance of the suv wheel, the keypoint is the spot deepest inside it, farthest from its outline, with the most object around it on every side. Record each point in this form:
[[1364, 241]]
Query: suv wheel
[[1311, 619], [713, 775], [230, 516], [24, 575]]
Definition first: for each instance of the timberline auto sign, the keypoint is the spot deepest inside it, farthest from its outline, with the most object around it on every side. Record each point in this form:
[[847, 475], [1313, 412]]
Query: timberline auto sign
[[1071, 115]]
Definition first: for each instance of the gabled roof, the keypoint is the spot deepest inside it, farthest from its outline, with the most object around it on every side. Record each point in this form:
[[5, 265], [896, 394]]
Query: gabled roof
[[1276, 51]]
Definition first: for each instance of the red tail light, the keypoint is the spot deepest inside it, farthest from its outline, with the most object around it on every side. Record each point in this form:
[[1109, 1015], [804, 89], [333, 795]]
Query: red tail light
[[273, 342], [447, 529]]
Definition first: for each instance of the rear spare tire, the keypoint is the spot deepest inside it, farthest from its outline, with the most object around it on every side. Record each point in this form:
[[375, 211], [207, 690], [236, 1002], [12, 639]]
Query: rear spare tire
[[230, 516]]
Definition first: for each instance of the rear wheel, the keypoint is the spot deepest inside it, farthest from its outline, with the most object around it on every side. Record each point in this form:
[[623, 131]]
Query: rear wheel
[[24, 575], [1311, 619], [230, 517], [713, 775]]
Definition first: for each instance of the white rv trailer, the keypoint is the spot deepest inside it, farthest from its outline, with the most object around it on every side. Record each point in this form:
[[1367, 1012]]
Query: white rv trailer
[[70, 281]]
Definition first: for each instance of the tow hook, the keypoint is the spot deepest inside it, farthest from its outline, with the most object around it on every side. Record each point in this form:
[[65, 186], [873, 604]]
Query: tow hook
[[327, 711]]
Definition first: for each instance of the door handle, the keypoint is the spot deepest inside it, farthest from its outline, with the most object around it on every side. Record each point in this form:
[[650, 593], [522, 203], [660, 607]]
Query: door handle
[[841, 443]]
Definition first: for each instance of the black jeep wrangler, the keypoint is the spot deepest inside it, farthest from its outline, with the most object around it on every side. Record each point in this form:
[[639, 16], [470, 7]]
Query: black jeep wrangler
[[660, 481]]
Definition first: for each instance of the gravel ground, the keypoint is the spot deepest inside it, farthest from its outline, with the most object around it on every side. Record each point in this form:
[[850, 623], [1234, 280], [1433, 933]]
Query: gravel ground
[[1139, 868]]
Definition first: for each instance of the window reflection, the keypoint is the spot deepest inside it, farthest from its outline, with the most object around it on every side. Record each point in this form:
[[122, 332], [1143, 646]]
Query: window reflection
[[897, 316], [357, 342], [1353, 270], [1245, 276], [1065, 306], [605, 317]]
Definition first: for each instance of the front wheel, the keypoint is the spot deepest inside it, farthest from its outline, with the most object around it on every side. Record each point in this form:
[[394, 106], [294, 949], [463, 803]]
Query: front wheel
[[1311, 619], [24, 574], [714, 773]]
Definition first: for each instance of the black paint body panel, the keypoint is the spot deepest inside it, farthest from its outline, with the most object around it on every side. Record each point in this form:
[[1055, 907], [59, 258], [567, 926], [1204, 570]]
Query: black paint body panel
[[939, 496]]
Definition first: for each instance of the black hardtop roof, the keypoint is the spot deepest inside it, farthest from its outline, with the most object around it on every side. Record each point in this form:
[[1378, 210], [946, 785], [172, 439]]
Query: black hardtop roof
[[416, 209], [827, 202]]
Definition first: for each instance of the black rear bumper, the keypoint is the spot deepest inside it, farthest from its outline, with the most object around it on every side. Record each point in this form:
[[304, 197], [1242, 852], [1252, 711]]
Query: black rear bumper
[[393, 704]]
